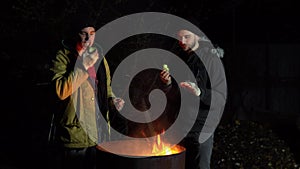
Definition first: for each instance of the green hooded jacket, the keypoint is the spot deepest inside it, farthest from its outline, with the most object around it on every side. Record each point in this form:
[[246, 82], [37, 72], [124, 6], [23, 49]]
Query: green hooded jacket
[[78, 103]]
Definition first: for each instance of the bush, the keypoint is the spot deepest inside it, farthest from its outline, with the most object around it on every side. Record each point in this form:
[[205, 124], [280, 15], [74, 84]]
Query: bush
[[247, 144]]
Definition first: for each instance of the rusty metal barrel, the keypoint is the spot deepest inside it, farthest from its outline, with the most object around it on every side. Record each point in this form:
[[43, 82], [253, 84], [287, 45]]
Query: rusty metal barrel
[[109, 160]]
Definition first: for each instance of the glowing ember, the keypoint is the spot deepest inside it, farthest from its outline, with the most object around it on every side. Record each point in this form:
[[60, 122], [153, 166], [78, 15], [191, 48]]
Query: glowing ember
[[160, 148]]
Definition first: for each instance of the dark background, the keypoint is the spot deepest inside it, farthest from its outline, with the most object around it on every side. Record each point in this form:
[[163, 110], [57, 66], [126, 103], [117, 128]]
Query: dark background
[[260, 39]]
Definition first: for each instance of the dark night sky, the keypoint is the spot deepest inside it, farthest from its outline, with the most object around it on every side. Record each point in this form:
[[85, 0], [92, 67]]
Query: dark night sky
[[36, 27]]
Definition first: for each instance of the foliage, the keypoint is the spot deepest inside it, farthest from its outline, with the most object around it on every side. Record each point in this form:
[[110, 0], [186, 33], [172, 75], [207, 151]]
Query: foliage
[[247, 144]]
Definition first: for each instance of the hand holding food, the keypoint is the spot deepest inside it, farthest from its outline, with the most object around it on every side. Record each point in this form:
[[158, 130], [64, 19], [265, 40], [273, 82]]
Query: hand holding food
[[165, 67], [191, 87], [165, 75], [90, 56]]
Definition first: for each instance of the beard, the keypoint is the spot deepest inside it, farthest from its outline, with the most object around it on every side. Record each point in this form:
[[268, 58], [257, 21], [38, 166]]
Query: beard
[[188, 47], [193, 44]]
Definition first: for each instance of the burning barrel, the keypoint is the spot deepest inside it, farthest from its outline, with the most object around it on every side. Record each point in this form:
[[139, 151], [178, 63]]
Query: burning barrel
[[133, 154]]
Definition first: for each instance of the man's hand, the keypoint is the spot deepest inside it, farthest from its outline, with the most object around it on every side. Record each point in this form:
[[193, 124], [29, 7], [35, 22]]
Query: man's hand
[[191, 87], [165, 77], [89, 59], [119, 103]]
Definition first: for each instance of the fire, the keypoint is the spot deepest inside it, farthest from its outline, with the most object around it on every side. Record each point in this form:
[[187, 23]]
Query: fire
[[161, 148]]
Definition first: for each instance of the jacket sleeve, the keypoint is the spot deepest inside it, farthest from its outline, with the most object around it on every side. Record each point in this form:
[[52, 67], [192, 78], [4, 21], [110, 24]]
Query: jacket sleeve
[[108, 80], [218, 92], [212, 80], [67, 77]]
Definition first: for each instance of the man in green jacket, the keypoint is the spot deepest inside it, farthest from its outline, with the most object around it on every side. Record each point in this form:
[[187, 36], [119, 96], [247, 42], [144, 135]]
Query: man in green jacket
[[81, 77]]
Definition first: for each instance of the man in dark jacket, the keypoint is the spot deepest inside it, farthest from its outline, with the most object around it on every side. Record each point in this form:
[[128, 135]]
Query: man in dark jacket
[[210, 86]]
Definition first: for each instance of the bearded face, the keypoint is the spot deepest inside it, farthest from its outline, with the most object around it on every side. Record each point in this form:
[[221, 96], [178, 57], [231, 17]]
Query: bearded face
[[187, 40]]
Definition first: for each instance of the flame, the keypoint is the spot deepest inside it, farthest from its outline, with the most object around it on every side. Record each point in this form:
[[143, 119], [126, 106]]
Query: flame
[[161, 148]]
